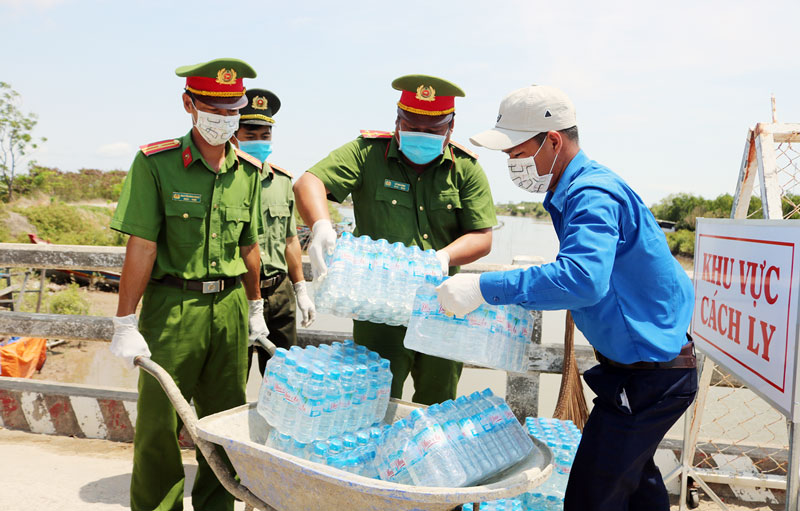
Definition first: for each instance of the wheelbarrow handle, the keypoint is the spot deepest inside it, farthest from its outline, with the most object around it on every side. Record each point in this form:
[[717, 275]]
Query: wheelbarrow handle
[[189, 418], [267, 345]]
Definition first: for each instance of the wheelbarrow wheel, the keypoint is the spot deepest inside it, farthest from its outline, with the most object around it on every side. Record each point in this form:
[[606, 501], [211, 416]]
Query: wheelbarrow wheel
[[692, 494]]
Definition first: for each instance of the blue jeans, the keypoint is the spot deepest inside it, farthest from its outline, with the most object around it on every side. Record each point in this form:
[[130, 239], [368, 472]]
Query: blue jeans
[[614, 468]]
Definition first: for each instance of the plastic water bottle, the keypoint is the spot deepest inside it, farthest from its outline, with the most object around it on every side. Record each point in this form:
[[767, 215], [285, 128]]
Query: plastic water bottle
[[320, 453], [484, 433], [310, 408], [491, 336], [368, 417], [384, 390], [437, 463], [470, 433], [361, 387], [331, 403], [499, 427], [401, 449], [278, 398], [299, 449], [522, 440], [340, 420], [456, 440], [274, 365]]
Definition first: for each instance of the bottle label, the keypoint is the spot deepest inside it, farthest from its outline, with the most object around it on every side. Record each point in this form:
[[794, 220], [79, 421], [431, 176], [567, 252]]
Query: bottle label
[[291, 397], [495, 417], [430, 438]]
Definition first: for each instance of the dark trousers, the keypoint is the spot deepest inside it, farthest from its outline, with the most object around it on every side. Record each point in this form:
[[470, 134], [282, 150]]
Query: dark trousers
[[614, 467]]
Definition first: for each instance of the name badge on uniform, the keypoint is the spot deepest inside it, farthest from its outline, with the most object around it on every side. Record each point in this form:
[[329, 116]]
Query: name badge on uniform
[[396, 185], [186, 197]]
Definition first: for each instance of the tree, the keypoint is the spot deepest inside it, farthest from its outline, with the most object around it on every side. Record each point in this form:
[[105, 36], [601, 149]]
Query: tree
[[16, 140]]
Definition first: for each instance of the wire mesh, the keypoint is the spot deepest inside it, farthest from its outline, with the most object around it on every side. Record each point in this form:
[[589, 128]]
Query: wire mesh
[[787, 159], [740, 432]]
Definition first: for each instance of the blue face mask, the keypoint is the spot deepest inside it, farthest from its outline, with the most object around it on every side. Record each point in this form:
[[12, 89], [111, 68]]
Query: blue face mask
[[261, 149], [421, 148]]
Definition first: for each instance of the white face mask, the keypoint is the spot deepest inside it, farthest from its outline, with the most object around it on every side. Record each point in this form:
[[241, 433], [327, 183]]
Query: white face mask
[[522, 172], [214, 128]]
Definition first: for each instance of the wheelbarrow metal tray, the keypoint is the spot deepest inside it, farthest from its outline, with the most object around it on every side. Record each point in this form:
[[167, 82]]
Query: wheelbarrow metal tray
[[289, 483]]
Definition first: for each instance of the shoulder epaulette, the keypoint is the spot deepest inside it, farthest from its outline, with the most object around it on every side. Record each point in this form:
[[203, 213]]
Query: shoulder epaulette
[[281, 170], [252, 159], [376, 134], [157, 147], [464, 149]]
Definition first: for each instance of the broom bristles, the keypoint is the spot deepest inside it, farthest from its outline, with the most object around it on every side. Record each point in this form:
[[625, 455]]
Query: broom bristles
[[571, 404]]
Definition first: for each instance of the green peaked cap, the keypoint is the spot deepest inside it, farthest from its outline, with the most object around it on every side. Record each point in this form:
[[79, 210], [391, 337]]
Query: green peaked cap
[[211, 68], [442, 86], [261, 106]]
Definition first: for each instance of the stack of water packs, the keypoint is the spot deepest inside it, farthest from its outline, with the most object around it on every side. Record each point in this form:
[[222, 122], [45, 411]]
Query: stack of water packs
[[372, 280], [490, 336], [563, 438], [455, 443], [318, 393]]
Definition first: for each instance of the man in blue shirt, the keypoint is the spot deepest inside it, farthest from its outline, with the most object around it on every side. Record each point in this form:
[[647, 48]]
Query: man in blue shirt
[[626, 292]]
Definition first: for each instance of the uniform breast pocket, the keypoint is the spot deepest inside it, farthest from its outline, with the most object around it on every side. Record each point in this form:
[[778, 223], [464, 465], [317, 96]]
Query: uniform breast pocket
[[185, 223], [394, 215], [235, 219], [277, 218], [444, 208]]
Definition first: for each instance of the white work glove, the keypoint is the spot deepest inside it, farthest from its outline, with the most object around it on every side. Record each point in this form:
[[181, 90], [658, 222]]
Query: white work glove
[[305, 304], [444, 260], [323, 241], [127, 342], [255, 320], [461, 293]]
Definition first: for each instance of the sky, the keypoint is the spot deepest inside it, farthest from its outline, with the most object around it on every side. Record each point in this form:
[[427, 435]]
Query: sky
[[664, 92]]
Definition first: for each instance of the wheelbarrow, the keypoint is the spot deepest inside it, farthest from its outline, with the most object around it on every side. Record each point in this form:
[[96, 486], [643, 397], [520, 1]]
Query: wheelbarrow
[[272, 480]]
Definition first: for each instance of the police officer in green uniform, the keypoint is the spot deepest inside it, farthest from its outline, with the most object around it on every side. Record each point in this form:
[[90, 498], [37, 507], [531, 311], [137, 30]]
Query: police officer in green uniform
[[414, 186], [280, 248], [191, 207]]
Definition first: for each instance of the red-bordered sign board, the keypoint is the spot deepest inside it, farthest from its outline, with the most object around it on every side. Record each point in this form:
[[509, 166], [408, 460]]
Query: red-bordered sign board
[[746, 281]]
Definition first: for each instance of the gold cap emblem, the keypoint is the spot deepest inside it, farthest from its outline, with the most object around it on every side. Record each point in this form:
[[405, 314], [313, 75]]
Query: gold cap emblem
[[259, 103], [426, 93], [226, 76]]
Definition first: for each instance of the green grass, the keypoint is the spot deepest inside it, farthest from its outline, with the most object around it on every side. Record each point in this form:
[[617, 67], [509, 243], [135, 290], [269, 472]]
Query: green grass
[[66, 224]]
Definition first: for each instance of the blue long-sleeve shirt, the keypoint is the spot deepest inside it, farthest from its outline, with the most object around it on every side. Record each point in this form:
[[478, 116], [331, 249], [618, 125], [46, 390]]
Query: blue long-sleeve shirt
[[614, 271]]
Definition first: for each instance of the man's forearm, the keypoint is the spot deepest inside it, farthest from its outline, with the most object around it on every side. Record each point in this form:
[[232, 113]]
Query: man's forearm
[[470, 247], [294, 259], [140, 254], [252, 279], [311, 198]]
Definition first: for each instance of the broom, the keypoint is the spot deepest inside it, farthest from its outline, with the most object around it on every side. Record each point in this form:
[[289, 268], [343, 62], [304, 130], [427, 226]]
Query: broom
[[571, 404]]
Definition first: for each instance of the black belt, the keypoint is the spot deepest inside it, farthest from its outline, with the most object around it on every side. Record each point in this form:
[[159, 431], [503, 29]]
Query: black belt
[[273, 282], [686, 359], [204, 286]]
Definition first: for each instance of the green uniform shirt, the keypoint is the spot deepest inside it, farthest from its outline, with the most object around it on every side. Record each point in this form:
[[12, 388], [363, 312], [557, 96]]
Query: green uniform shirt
[[198, 218], [391, 201], [277, 210]]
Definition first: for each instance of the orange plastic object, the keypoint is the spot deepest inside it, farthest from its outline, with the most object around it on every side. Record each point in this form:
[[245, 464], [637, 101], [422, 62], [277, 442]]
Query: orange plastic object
[[22, 358]]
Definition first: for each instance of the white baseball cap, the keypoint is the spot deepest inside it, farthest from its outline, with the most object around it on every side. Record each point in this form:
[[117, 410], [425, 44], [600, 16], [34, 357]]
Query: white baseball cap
[[525, 113]]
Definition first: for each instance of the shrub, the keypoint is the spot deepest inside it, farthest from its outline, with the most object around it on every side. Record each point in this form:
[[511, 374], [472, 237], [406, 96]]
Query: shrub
[[73, 225], [69, 301], [681, 242]]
